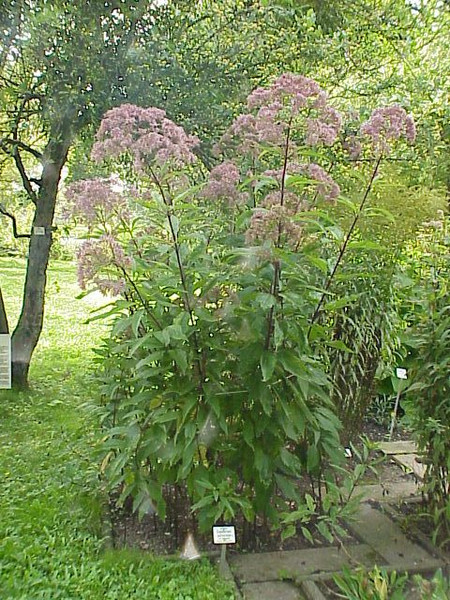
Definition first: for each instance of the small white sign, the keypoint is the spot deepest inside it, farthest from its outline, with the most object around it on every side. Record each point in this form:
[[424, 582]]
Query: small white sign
[[401, 373], [224, 534], [39, 230], [5, 361]]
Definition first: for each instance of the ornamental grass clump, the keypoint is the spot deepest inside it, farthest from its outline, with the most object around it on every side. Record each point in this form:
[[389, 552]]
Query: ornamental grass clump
[[211, 384]]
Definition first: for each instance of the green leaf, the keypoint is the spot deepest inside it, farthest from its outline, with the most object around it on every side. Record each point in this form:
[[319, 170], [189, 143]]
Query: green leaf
[[265, 301], [287, 486], [180, 358], [288, 532], [248, 433], [364, 245], [318, 262], [175, 224], [307, 534], [292, 363], [310, 503], [341, 302], [325, 531], [278, 335], [312, 459], [163, 336], [339, 345], [268, 362], [266, 400]]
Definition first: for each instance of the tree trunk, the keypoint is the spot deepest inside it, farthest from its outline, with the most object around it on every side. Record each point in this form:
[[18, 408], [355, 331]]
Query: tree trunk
[[29, 326], [3, 318]]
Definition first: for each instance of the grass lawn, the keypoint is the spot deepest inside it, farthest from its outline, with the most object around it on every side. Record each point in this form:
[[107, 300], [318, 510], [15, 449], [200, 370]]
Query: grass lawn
[[51, 543]]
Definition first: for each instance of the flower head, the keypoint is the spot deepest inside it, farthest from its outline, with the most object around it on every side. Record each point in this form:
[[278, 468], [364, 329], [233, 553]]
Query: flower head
[[89, 197], [387, 124], [223, 183], [98, 257], [277, 107], [144, 133], [327, 187], [290, 88]]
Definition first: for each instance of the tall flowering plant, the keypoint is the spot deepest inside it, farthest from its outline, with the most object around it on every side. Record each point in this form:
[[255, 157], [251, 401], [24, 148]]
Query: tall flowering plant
[[211, 384]]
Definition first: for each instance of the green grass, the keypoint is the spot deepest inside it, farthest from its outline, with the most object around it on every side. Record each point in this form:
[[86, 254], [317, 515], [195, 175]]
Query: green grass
[[51, 544]]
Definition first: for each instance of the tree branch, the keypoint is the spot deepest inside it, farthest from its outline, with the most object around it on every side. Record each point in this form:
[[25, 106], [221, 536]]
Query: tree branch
[[22, 145], [23, 174], [17, 235]]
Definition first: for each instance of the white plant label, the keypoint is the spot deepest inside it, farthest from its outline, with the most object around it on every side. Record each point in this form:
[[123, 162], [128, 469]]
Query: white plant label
[[401, 373], [39, 230], [224, 534], [5, 361]]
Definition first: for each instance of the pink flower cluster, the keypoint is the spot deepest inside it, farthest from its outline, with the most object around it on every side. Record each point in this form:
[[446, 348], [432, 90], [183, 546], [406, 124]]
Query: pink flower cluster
[[277, 105], [387, 124], [223, 183], [95, 256], [254, 130], [297, 89], [327, 187], [324, 128], [271, 223], [93, 197], [144, 133]]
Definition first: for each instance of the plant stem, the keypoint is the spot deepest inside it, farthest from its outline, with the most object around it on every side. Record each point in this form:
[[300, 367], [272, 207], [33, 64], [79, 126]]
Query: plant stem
[[187, 305], [344, 245], [276, 263], [139, 295], [274, 292]]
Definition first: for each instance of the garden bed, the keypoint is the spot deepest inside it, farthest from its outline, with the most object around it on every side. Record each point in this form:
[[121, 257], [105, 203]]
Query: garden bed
[[165, 538]]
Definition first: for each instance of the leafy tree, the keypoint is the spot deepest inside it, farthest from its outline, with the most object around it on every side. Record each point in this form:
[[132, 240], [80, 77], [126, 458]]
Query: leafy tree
[[51, 91]]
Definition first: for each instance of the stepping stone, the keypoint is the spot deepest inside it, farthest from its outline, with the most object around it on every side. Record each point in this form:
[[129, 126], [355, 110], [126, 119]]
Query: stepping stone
[[390, 492], [280, 590], [401, 447], [387, 539], [311, 591], [299, 564], [409, 461]]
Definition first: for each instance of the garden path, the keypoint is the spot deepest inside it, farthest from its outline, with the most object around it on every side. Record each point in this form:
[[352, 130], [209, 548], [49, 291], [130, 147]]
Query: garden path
[[291, 575]]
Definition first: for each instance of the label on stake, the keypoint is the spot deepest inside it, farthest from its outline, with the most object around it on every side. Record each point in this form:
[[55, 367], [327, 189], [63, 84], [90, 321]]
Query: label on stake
[[224, 534], [401, 373], [5, 361]]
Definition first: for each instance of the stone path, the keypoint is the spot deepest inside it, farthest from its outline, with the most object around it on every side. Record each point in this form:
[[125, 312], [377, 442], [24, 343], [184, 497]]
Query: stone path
[[404, 453], [291, 575]]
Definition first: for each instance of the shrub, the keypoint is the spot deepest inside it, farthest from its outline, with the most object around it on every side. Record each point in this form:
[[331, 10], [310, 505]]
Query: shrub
[[428, 405], [211, 384]]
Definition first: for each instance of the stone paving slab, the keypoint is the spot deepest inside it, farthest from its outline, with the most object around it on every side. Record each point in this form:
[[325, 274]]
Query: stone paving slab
[[391, 492], [387, 539], [409, 461], [298, 564], [273, 590], [400, 447]]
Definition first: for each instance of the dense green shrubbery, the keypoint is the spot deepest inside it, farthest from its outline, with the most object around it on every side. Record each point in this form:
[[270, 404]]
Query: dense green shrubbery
[[429, 342]]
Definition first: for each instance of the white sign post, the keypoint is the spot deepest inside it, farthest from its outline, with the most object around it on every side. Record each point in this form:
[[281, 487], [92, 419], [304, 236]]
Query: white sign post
[[5, 361], [223, 535], [401, 374]]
